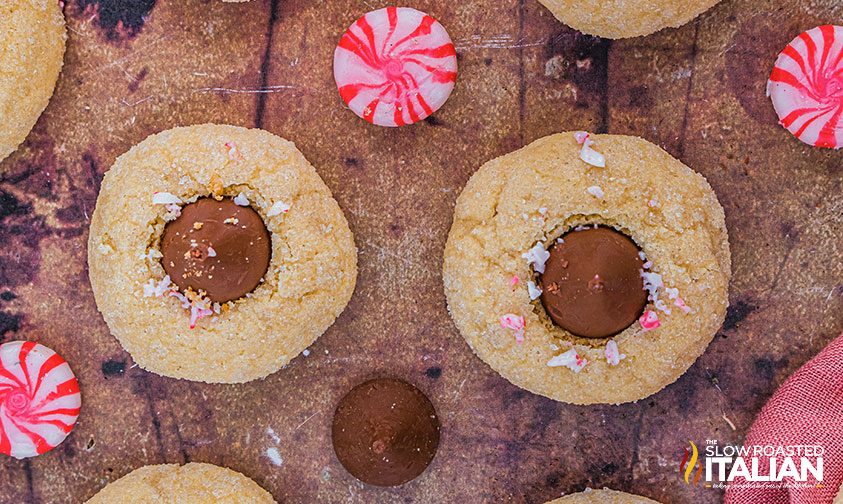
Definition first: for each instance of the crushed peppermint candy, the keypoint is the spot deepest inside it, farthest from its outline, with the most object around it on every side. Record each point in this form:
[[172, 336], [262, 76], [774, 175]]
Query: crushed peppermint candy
[[278, 208], [595, 191], [198, 312], [652, 283], [185, 303], [165, 198], [173, 211], [661, 306], [537, 257], [570, 359], [233, 151], [613, 355], [515, 323], [653, 203], [587, 153], [211, 251], [157, 289], [649, 321], [514, 281], [534, 290], [241, 200], [198, 309], [673, 294]]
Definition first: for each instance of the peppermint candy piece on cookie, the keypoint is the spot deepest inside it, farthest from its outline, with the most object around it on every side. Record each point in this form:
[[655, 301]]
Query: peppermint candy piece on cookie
[[395, 66], [806, 87], [39, 399]]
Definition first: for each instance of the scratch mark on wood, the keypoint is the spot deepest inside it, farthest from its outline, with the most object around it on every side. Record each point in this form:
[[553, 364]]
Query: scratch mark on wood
[[261, 103], [684, 128]]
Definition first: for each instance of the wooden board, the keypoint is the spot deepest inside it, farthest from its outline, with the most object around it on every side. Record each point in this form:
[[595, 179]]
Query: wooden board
[[135, 67]]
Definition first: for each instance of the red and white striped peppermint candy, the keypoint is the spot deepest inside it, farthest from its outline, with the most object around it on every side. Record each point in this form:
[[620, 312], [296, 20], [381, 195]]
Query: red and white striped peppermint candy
[[39, 399], [395, 66], [806, 87]]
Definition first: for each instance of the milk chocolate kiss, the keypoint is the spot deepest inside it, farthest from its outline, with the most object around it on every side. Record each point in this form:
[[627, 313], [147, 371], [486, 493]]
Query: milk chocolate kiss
[[216, 247], [592, 285], [385, 432]]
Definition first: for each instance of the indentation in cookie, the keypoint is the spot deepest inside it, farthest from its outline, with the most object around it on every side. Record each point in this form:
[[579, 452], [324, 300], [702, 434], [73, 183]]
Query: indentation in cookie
[[119, 19], [218, 248], [592, 283]]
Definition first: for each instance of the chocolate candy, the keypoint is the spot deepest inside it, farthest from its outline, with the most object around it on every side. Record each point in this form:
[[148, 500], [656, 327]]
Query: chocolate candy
[[592, 285], [385, 432], [217, 248]]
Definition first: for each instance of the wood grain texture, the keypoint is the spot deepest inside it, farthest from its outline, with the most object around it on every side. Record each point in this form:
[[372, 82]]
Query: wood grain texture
[[137, 67]]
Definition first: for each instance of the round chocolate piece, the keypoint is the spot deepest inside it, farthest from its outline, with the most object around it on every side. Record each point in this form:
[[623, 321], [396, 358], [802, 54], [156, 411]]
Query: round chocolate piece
[[385, 432], [217, 248], [592, 285]]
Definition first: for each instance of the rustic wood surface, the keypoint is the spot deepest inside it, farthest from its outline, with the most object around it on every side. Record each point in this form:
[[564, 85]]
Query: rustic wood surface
[[135, 67]]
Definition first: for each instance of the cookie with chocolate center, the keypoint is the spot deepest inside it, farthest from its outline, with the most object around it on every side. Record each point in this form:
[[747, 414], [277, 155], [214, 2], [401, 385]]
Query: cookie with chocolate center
[[218, 254], [588, 269]]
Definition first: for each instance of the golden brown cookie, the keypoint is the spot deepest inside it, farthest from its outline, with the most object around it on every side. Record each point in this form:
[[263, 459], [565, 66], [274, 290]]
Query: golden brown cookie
[[602, 497], [181, 333], [617, 19], [190, 484], [839, 498], [32, 37], [517, 206]]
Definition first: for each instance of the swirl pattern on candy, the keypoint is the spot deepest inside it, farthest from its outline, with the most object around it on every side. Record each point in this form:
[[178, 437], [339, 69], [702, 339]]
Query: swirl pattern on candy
[[395, 66], [39, 399], [806, 87]]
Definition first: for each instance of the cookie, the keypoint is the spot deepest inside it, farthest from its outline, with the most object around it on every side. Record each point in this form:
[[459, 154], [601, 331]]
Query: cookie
[[616, 19], [192, 483], [520, 210], [32, 36], [604, 496], [218, 254], [839, 498]]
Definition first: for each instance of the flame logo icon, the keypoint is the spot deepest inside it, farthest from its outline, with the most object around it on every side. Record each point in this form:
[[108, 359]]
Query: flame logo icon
[[686, 467]]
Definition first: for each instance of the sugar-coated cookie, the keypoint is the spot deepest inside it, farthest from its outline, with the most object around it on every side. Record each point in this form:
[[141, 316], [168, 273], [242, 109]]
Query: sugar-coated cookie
[[539, 254], [218, 254], [32, 35], [605, 496], [193, 483], [839, 498], [617, 19]]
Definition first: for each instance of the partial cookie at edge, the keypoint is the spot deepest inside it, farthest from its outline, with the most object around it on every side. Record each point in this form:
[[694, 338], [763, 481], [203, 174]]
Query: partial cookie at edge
[[192, 483], [604, 496], [33, 33], [626, 18]]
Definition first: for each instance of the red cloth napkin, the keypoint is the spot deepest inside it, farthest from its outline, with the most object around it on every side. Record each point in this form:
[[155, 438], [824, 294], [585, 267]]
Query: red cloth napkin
[[806, 410]]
